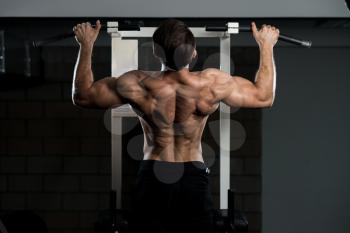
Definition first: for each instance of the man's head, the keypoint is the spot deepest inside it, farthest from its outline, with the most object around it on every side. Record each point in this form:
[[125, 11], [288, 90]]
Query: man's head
[[174, 44]]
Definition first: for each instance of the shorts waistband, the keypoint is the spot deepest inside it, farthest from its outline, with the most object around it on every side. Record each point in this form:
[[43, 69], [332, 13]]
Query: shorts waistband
[[188, 166]]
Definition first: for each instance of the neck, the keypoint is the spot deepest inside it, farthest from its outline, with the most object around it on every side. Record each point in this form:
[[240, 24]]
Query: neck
[[166, 68]]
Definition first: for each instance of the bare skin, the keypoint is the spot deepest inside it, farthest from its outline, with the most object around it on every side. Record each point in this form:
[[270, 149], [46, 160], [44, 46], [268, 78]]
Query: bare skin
[[173, 106]]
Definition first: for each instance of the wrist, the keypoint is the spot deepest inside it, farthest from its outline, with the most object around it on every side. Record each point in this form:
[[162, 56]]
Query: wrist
[[86, 45], [266, 46]]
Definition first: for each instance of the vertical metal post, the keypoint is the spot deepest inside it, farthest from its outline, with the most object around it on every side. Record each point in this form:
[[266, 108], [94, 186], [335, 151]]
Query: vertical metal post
[[27, 60], [225, 57], [124, 58], [2, 52]]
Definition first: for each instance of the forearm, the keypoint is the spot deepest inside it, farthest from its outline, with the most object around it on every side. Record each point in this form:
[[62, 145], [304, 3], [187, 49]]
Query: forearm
[[83, 76], [265, 79]]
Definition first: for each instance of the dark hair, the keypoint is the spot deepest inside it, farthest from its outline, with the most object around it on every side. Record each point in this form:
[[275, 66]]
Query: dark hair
[[174, 43]]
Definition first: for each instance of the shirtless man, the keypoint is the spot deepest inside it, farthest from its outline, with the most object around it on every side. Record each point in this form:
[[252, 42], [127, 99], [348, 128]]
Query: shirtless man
[[173, 106]]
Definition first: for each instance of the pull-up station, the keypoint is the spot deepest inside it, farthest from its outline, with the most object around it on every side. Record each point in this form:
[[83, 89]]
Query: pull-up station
[[135, 30], [125, 58]]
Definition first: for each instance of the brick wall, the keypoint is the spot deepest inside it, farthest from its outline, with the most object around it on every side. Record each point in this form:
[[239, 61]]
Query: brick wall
[[55, 157]]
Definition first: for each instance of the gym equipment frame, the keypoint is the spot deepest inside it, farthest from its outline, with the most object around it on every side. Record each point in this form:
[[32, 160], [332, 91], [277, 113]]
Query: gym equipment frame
[[125, 58]]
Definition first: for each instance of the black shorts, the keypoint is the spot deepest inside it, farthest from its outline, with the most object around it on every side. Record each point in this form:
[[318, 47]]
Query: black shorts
[[171, 197]]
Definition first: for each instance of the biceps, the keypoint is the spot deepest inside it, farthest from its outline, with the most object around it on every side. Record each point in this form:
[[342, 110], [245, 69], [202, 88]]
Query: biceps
[[243, 93]]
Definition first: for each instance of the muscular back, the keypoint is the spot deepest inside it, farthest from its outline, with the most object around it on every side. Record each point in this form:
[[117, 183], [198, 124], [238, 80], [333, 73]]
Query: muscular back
[[173, 108]]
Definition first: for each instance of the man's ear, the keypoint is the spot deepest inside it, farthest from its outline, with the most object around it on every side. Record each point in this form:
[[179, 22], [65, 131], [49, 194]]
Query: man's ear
[[194, 54], [158, 52], [154, 51], [194, 58]]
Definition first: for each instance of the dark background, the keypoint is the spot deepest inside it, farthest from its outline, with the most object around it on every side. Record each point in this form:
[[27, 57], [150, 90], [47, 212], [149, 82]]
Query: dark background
[[291, 174], [179, 8]]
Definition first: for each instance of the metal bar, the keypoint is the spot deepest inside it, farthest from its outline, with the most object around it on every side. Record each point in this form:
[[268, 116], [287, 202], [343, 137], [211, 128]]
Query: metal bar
[[225, 47], [120, 65], [285, 38], [133, 29], [148, 32], [2, 52], [282, 37]]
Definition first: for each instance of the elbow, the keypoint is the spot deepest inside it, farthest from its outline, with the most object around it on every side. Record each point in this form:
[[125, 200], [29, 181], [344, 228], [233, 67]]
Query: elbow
[[270, 101], [270, 104], [80, 101], [77, 101], [267, 101]]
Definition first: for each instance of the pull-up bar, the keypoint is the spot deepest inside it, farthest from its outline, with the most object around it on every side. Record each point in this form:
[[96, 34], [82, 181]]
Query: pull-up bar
[[283, 37], [136, 27]]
